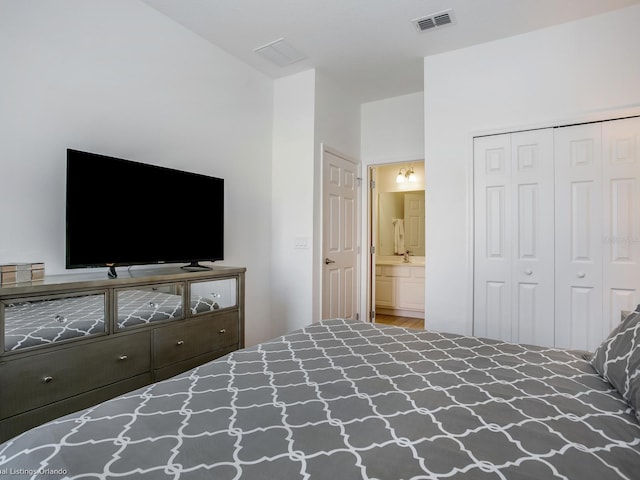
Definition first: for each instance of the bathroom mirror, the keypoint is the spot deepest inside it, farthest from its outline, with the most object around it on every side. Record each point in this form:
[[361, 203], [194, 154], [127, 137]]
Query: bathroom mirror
[[401, 221]]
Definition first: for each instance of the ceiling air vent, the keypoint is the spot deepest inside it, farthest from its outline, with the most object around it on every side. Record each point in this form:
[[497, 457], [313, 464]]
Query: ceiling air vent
[[434, 20], [280, 52]]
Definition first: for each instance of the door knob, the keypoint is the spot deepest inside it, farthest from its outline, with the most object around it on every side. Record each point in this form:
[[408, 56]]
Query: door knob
[[528, 271], [327, 261]]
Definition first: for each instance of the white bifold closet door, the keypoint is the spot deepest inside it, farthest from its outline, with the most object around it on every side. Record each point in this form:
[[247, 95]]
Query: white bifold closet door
[[597, 229], [579, 227], [557, 233], [514, 246]]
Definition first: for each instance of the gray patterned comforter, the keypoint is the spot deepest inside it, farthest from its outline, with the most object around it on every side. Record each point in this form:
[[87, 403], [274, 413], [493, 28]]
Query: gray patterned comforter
[[349, 400]]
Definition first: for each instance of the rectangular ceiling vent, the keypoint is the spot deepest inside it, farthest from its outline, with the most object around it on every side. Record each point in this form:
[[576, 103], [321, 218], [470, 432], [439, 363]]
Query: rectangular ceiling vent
[[280, 52], [433, 21]]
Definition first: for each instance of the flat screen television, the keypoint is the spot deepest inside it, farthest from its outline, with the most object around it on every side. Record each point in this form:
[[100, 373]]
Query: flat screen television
[[121, 212]]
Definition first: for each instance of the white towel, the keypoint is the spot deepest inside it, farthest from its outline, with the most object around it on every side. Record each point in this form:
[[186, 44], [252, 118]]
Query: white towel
[[398, 236]]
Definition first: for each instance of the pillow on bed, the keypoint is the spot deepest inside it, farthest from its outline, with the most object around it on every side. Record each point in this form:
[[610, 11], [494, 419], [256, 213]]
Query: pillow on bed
[[617, 359]]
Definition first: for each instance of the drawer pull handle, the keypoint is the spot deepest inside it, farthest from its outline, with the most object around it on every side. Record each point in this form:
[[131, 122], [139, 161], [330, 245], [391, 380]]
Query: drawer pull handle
[[123, 357], [180, 342], [47, 379], [581, 274], [222, 331]]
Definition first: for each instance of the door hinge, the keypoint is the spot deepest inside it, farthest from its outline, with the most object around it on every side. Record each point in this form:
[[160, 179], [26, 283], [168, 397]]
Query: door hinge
[[372, 184], [372, 315], [357, 316], [372, 249]]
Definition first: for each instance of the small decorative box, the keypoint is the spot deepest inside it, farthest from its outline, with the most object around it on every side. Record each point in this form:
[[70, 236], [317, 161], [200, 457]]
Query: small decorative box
[[13, 273]]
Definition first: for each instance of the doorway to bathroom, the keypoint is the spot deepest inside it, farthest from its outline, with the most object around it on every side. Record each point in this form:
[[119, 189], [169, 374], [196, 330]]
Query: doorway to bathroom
[[396, 230]]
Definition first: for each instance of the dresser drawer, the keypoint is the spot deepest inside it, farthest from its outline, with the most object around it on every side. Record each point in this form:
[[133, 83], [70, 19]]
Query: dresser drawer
[[36, 380], [175, 343]]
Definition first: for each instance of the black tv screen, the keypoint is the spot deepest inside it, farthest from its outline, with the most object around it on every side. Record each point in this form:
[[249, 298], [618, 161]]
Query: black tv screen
[[123, 212]]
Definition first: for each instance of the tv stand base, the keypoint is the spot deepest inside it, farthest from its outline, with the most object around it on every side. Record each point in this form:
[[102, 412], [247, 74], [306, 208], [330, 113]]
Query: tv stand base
[[195, 267]]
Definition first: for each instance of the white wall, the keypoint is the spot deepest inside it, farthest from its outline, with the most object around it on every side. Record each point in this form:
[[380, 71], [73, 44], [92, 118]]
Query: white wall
[[578, 71], [337, 125], [309, 110], [292, 204], [392, 131], [121, 79]]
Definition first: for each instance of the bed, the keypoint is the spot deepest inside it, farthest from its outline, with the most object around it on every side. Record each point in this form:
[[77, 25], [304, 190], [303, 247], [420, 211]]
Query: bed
[[41, 322], [351, 400]]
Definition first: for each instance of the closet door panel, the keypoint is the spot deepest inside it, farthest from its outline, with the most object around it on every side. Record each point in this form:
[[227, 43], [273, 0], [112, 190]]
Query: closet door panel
[[621, 195], [533, 253], [492, 248], [578, 236]]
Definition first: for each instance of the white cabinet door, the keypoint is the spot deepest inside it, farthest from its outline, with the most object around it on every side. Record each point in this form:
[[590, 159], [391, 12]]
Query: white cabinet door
[[621, 233], [578, 296], [514, 282], [385, 292], [410, 293]]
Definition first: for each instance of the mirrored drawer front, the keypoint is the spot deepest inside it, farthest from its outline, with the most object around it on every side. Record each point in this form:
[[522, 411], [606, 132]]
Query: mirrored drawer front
[[213, 295], [180, 342], [40, 379], [29, 323], [142, 305]]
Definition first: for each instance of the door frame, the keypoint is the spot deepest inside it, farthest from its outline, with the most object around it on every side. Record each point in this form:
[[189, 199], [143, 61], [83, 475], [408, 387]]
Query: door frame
[[369, 268], [319, 257]]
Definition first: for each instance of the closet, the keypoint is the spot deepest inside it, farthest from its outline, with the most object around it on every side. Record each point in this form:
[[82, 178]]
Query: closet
[[557, 233]]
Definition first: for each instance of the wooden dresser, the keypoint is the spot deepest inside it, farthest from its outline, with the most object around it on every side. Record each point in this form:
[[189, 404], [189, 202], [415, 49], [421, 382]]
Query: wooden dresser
[[71, 341]]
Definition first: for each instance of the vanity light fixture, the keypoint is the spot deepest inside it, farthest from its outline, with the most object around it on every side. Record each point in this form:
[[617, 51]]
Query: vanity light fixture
[[406, 175]]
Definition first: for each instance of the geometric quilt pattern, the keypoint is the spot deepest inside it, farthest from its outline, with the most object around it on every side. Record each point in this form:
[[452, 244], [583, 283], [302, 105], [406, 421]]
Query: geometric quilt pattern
[[617, 359], [351, 400]]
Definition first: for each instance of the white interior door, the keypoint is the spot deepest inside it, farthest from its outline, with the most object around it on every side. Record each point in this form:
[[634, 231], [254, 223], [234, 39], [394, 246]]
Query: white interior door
[[492, 229], [621, 232], [557, 233], [579, 220], [532, 266], [414, 221], [340, 237], [513, 271], [372, 244]]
